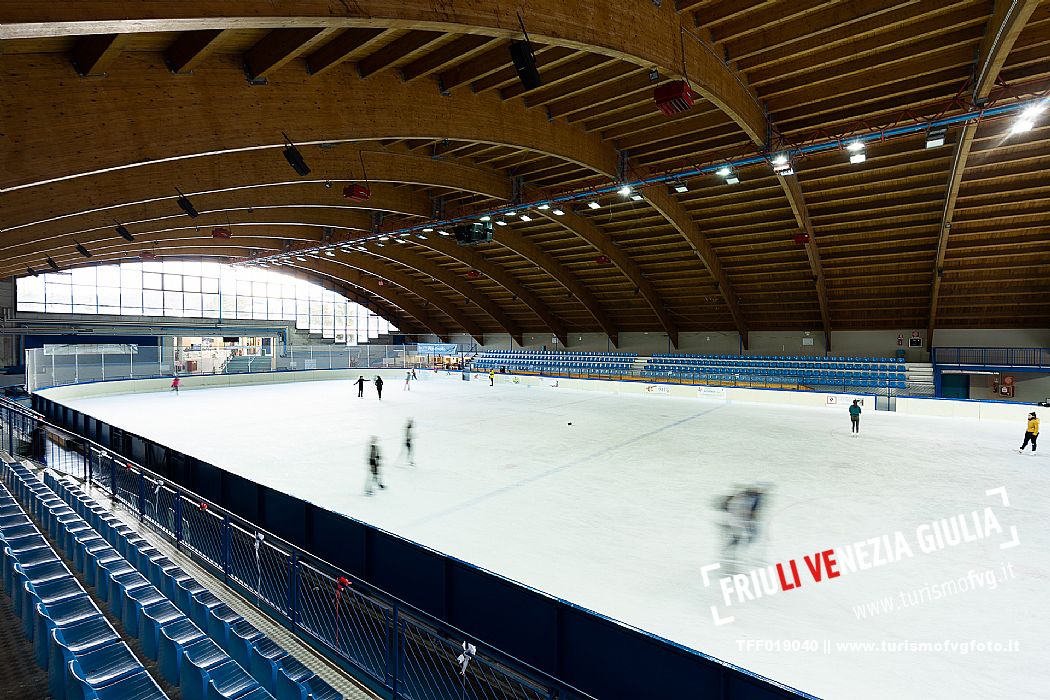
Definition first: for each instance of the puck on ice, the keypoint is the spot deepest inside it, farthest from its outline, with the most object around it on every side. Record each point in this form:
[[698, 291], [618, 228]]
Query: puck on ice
[[568, 423]]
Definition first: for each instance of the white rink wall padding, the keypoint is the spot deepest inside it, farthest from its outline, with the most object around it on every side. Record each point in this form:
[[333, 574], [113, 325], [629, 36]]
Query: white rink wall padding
[[616, 511]]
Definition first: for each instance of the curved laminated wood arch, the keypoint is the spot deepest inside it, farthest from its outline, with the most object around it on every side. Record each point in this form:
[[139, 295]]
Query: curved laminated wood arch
[[417, 116], [645, 34]]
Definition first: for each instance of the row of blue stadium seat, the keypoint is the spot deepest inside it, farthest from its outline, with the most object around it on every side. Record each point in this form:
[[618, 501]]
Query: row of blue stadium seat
[[169, 611], [860, 374], [810, 380], [560, 353], [83, 653], [698, 362], [556, 363], [786, 358]]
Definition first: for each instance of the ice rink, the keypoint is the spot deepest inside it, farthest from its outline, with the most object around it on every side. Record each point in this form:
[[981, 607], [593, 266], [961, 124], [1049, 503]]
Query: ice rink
[[616, 512]]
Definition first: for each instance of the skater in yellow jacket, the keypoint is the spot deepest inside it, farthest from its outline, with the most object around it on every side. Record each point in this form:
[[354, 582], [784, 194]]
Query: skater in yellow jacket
[[1032, 433]]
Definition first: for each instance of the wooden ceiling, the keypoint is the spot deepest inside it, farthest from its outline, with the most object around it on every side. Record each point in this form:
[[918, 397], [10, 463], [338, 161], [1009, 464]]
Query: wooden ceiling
[[108, 106]]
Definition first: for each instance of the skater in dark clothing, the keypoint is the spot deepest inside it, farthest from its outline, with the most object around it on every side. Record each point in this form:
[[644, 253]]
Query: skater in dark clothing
[[854, 416], [379, 387], [741, 522], [414, 377], [374, 462], [408, 443], [1032, 432], [360, 387]]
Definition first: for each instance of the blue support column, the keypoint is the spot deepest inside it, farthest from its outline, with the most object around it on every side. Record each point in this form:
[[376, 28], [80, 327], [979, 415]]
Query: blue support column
[[293, 587]]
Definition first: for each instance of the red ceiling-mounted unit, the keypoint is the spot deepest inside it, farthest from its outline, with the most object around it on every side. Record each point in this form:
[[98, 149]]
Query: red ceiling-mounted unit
[[674, 97], [221, 232], [357, 193], [801, 238], [602, 260], [473, 274], [147, 256]]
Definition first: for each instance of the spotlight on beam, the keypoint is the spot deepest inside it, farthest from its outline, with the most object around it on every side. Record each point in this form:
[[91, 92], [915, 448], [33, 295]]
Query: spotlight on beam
[[185, 205], [593, 204], [856, 152], [680, 187], [52, 264], [486, 217], [294, 157], [124, 233], [559, 212], [31, 271], [330, 253], [82, 250], [935, 137], [729, 175], [544, 207], [501, 221], [636, 197], [526, 217], [1026, 120], [625, 191]]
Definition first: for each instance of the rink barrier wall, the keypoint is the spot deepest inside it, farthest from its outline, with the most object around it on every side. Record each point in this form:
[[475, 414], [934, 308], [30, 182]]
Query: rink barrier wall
[[584, 649], [983, 410]]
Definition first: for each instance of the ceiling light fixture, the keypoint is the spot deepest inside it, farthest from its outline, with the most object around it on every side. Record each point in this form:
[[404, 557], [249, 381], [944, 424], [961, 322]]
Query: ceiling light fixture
[[625, 191], [124, 233], [330, 253], [856, 152], [51, 263], [428, 230], [559, 212], [935, 137], [636, 197], [82, 250], [486, 217], [501, 222], [593, 204], [526, 217], [544, 207], [1026, 120], [680, 186]]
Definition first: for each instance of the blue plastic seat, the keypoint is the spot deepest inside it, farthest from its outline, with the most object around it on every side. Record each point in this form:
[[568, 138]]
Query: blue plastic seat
[[151, 619], [228, 681], [99, 668], [266, 656], [138, 686], [291, 674], [242, 635], [173, 638], [198, 659], [220, 617], [65, 643], [133, 602]]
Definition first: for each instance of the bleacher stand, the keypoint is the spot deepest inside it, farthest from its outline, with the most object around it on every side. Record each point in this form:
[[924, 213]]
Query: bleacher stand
[[787, 371], [594, 364], [201, 646], [793, 371]]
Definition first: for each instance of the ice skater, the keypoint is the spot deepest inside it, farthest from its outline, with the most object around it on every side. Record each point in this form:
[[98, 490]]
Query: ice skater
[[414, 377], [1032, 432], [854, 416], [176, 382], [374, 462], [360, 386], [741, 523], [408, 445], [492, 377], [408, 378], [379, 387]]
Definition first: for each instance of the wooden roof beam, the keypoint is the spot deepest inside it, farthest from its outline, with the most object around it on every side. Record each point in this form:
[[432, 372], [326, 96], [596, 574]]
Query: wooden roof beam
[[549, 264], [1007, 21], [793, 191], [479, 66], [683, 222], [190, 48], [404, 255], [500, 276], [280, 46], [457, 50], [330, 55], [92, 55], [395, 51], [592, 233]]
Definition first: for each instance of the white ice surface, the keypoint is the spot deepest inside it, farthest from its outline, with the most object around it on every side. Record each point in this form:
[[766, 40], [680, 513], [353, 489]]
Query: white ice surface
[[615, 512]]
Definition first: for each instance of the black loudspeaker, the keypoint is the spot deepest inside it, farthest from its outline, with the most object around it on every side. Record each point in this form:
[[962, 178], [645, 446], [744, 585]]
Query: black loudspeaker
[[525, 64]]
